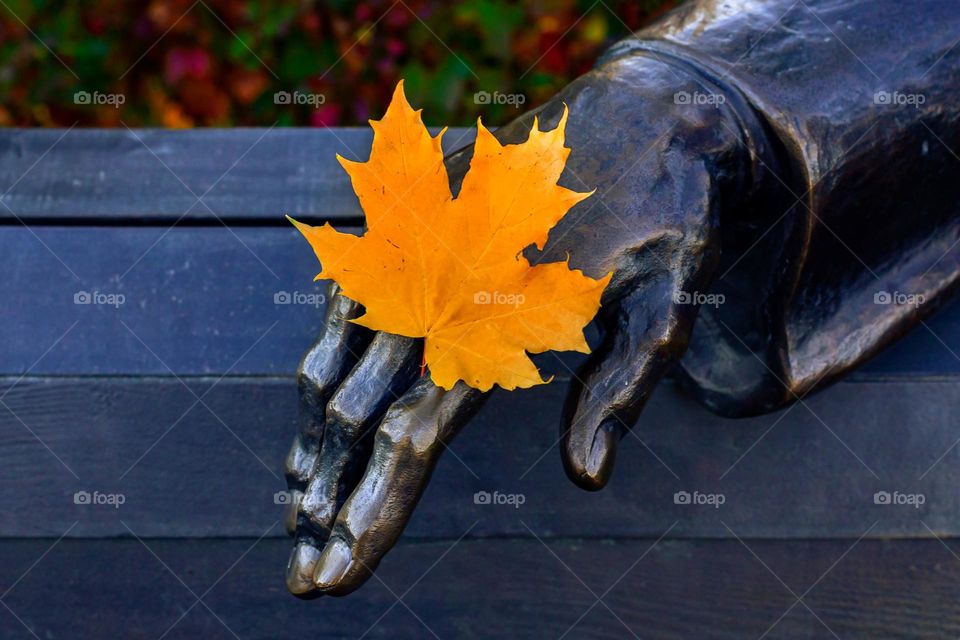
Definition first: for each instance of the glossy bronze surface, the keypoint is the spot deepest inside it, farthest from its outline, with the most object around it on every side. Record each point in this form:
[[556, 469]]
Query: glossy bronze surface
[[776, 173]]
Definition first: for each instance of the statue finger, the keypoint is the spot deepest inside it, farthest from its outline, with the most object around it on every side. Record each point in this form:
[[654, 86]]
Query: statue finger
[[645, 334], [407, 445], [387, 369], [324, 366]]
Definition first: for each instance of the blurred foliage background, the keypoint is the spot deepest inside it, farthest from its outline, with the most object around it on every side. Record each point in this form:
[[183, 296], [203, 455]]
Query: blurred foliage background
[[189, 63]]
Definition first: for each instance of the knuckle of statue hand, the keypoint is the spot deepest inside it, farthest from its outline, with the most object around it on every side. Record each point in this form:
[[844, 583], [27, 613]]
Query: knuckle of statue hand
[[293, 469], [347, 412], [410, 435], [316, 510], [299, 461], [311, 382]]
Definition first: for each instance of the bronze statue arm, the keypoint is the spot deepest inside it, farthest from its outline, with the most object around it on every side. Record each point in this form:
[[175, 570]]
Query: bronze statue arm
[[743, 124]]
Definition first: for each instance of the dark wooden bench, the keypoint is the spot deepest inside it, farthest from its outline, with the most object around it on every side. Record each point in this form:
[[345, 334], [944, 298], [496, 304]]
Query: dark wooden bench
[[181, 403]]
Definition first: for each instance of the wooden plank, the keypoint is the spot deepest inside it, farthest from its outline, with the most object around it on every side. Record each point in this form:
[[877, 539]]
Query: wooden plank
[[931, 349], [201, 298], [187, 469], [489, 589], [194, 300], [158, 175]]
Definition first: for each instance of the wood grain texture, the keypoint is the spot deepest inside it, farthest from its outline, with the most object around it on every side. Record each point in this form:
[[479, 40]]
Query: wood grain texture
[[201, 300], [121, 176], [189, 469], [195, 300], [492, 589]]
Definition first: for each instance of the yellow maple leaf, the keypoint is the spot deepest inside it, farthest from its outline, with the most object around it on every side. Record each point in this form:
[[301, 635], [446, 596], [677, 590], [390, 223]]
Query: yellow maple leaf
[[451, 270]]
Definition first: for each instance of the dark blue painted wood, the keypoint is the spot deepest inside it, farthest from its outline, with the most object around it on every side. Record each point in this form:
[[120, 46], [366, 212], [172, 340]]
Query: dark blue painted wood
[[492, 589], [212, 469], [196, 300], [200, 298], [119, 175]]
